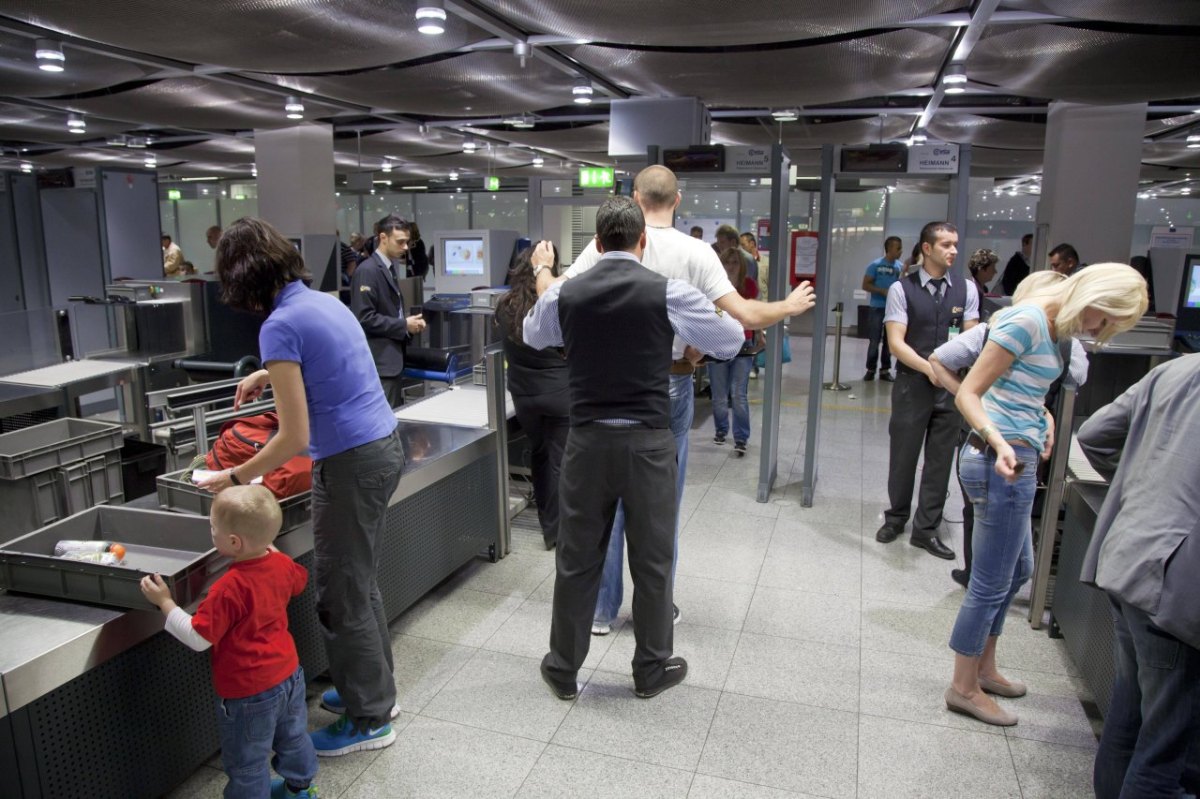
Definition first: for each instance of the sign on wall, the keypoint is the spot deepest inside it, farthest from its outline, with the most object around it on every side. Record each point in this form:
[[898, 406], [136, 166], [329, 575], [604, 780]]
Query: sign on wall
[[748, 160], [933, 159]]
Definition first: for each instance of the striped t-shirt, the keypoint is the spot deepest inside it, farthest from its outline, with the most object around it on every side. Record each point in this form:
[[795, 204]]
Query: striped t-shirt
[[1014, 402]]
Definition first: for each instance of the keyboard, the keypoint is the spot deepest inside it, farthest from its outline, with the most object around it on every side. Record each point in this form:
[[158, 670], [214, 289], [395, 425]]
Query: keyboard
[[1190, 340]]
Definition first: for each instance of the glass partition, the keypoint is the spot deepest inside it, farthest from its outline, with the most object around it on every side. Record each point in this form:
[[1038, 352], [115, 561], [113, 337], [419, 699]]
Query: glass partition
[[195, 217], [496, 210]]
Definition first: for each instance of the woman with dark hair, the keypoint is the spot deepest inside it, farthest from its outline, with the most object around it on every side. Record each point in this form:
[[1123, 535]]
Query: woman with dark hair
[[329, 401], [731, 379], [537, 380], [983, 271], [418, 256]]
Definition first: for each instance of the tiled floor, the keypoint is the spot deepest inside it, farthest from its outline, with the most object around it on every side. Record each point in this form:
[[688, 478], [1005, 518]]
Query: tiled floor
[[817, 656]]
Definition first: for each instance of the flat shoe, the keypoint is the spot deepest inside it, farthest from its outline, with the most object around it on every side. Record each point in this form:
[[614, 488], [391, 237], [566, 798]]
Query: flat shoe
[[1013, 690], [960, 704]]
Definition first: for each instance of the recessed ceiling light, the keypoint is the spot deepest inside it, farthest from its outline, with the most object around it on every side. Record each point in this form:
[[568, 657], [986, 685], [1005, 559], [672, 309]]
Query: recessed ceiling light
[[49, 55], [920, 136], [469, 145], [582, 90], [151, 161], [431, 18], [116, 141], [519, 122], [785, 114], [26, 167], [76, 123], [955, 74], [454, 174], [254, 170], [538, 161], [294, 108], [387, 165]]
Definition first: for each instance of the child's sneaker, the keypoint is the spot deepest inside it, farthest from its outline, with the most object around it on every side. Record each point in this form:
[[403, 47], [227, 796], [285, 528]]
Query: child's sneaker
[[279, 790], [340, 738], [739, 448], [719, 438], [331, 700]]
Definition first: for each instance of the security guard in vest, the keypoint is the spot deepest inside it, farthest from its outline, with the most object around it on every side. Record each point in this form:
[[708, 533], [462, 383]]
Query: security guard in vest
[[617, 322], [924, 310]]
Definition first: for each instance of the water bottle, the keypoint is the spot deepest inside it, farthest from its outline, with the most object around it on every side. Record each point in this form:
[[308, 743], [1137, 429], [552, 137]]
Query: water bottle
[[69, 549], [101, 558]]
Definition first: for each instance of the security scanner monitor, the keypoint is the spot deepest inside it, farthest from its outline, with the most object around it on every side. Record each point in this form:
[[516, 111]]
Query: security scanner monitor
[[1188, 313], [471, 259]]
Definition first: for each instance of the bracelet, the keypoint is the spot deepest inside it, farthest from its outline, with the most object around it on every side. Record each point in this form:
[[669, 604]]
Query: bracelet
[[985, 431], [233, 478]]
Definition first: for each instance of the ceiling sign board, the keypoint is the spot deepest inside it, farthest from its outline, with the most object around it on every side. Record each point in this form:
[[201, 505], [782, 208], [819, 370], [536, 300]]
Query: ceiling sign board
[[596, 177], [876, 158], [701, 158], [747, 160], [933, 159], [492, 183]]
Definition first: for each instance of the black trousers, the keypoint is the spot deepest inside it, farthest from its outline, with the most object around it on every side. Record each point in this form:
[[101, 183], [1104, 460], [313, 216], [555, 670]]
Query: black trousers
[[391, 390], [923, 416], [543, 417], [601, 465]]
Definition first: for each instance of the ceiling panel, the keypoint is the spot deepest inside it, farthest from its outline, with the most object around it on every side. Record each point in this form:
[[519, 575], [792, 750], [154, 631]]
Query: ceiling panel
[[83, 72], [988, 131], [196, 102], [33, 125], [403, 142], [991, 162], [866, 67], [1171, 154], [710, 23], [286, 36], [1165, 12], [590, 137], [473, 85], [1085, 66]]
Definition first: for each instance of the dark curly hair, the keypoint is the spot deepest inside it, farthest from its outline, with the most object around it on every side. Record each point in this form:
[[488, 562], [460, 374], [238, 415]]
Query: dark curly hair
[[522, 293], [254, 262]]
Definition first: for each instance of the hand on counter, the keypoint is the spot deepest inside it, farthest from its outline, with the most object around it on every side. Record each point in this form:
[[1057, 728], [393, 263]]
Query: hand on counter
[[155, 590]]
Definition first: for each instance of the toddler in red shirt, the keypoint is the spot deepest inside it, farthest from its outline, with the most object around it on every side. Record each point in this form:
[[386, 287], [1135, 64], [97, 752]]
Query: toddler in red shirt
[[256, 672]]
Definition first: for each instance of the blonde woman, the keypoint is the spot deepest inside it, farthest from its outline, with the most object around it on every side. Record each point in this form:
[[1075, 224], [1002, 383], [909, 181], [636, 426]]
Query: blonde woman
[[1001, 399]]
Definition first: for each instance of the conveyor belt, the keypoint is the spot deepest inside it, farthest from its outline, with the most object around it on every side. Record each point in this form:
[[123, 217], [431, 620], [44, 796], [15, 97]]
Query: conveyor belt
[[461, 406], [1079, 468]]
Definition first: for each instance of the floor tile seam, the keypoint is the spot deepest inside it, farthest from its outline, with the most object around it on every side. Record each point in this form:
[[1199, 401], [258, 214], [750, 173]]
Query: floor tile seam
[[1012, 736], [957, 728], [768, 786], [428, 717], [1013, 759], [804, 640], [625, 758], [357, 776], [744, 695], [950, 659], [529, 774]]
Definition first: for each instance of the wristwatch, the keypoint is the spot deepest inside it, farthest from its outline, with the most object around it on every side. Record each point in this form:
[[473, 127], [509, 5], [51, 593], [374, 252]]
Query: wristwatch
[[233, 478], [537, 269]]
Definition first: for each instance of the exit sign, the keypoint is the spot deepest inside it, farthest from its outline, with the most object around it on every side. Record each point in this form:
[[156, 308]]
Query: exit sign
[[492, 184], [174, 194], [596, 177]]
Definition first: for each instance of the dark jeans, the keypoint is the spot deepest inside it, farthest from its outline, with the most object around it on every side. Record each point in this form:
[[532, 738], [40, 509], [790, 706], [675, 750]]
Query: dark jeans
[[602, 465], [922, 416], [544, 419], [1151, 741], [875, 338], [391, 390], [251, 728], [350, 496]]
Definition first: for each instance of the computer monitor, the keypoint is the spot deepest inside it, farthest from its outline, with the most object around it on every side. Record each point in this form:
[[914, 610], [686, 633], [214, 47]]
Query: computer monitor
[[1188, 312], [463, 256]]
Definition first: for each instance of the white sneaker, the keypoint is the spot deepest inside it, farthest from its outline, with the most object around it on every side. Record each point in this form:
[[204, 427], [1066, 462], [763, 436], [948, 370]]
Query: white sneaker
[[601, 628]]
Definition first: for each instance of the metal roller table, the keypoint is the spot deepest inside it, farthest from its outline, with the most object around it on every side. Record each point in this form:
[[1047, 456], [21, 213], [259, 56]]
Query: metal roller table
[[102, 702]]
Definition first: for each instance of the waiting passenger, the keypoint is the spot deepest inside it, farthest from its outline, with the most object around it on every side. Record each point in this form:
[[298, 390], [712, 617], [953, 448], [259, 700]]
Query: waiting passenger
[[172, 257], [1001, 399], [256, 671], [731, 379], [617, 322], [1064, 260], [329, 401], [982, 266]]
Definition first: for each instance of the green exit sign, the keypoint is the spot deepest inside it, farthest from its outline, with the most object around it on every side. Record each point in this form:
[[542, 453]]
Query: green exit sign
[[492, 184], [174, 194], [596, 177]]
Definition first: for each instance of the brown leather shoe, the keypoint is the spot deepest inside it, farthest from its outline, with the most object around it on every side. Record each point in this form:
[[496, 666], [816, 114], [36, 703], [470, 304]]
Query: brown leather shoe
[[960, 704], [1015, 688]]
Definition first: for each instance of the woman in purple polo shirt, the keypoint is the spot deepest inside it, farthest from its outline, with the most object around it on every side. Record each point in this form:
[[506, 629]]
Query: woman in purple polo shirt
[[329, 401]]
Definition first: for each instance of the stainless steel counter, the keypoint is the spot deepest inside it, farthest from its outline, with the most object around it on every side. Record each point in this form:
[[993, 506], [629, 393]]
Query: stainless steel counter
[[46, 643]]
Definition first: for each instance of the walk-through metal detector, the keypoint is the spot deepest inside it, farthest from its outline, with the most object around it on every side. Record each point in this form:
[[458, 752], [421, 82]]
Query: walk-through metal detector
[[959, 195]]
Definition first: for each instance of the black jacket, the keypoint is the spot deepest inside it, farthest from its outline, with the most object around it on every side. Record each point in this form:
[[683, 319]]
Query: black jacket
[[1014, 272], [375, 299], [418, 259]]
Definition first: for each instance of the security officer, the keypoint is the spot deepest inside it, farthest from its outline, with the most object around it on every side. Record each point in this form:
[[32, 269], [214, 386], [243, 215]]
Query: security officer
[[376, 301], [924, 310]]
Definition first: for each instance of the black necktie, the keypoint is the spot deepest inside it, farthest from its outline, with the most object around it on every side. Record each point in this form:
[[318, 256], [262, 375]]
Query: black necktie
[[939, 285]]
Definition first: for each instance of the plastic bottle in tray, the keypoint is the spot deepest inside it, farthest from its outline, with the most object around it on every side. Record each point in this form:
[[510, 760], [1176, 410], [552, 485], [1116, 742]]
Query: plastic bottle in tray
[[85, 550]]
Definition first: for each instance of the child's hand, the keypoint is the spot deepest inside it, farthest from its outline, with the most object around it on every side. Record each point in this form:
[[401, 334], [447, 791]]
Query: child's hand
[[154, 589]]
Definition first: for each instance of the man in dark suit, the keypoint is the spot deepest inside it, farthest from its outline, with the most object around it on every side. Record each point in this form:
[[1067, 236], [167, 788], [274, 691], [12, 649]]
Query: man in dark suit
[[376, 301], [1017, 268]]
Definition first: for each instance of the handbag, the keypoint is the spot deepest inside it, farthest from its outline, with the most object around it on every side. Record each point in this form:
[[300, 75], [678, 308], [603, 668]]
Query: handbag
[[754, 345], [760, 360]]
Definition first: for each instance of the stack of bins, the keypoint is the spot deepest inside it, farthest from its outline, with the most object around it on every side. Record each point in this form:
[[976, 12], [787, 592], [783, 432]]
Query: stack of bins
[[52, 470], [177, 493]]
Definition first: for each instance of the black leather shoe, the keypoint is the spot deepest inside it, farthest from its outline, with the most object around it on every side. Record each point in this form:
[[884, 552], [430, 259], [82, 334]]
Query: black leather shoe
[[673, 672], [886, 377], [549, 543], [563, 690], [888, 533], [869, 376], [960, 576], [934, 546]]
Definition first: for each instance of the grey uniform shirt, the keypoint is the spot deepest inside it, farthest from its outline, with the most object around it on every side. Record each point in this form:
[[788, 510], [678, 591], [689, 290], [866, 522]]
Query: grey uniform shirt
[[1145, 441]]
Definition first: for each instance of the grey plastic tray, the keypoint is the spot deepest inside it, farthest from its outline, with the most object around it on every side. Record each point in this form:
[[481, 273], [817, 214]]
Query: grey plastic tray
[[182, 495], [35, 449], [177, 546]]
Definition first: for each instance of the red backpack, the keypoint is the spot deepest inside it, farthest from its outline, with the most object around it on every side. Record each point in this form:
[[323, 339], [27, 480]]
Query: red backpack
[[240, 440]]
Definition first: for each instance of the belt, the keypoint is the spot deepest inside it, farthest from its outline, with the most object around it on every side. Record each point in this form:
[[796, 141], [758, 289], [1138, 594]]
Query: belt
[[683, 367], [978, 443]]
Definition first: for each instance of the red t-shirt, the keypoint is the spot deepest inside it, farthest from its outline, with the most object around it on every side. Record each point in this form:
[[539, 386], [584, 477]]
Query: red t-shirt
[[244, 617]]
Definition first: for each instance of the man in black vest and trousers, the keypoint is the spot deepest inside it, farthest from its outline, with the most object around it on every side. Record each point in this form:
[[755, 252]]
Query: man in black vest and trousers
[[376, 301], [924, 310], [617, 322]]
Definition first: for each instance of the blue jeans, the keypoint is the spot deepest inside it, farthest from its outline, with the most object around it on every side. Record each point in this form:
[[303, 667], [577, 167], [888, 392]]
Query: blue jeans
[[250, 728], [612, 590], [1002, 544], [1152, 729], [876, 335], [731, 377]]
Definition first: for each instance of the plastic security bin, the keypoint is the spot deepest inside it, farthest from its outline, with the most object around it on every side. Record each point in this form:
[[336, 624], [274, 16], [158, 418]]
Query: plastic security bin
[[45, 446], [177, 546], [96, 481], [175, 493], [30, 503]]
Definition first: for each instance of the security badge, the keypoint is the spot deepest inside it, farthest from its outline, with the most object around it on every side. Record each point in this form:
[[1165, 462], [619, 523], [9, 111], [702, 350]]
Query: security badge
[[365, 288], [957, 309]]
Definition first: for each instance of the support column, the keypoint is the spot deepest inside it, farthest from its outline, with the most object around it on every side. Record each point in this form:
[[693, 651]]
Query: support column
[[296, 194], [1090, 180]]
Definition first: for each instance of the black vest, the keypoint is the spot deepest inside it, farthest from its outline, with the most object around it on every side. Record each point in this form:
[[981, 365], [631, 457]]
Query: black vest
[[531, 372], [929, 321], [618, 342]]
